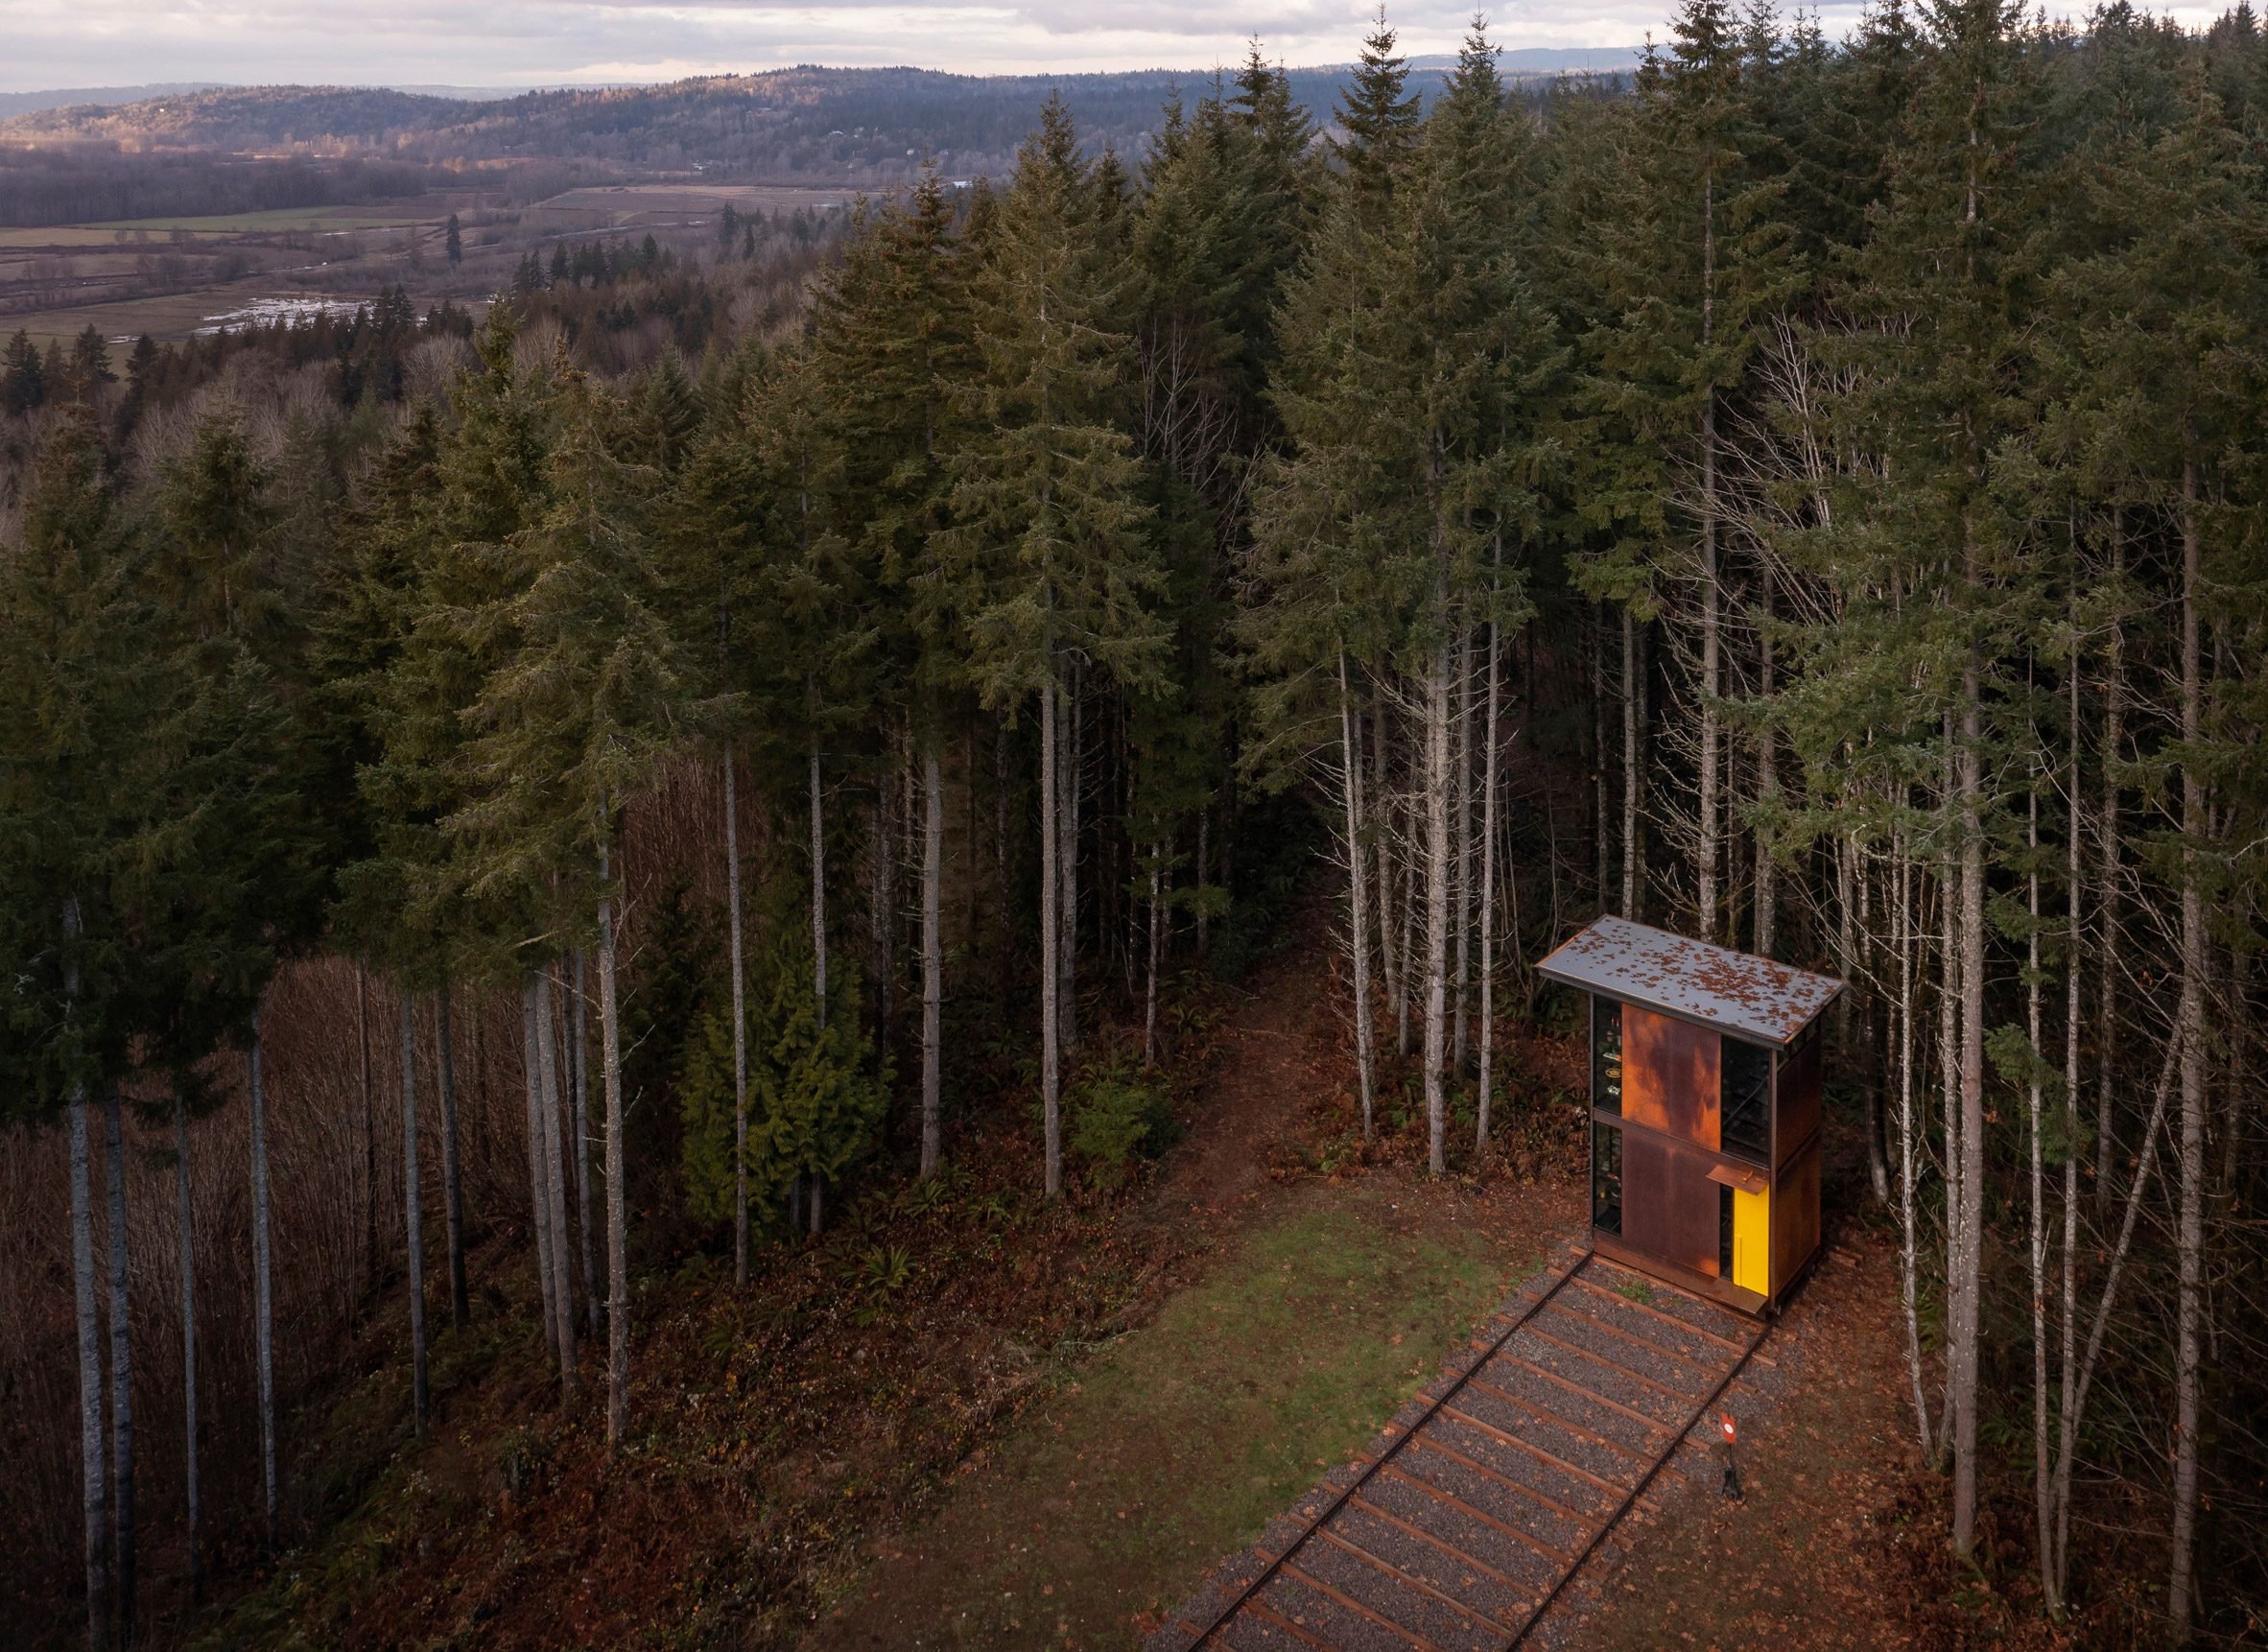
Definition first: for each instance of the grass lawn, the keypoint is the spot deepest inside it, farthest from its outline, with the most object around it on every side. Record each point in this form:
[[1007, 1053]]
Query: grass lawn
[[1174, 1447]]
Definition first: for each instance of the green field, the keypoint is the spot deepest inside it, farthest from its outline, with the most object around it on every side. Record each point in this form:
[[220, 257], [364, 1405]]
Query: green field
[[319, 218]]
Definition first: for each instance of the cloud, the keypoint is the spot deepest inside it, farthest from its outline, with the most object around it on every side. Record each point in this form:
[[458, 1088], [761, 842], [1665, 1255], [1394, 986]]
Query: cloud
[[551, 42]]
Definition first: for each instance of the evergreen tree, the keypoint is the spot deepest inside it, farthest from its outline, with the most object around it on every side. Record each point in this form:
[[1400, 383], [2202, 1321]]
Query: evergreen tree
[[1047, 547]]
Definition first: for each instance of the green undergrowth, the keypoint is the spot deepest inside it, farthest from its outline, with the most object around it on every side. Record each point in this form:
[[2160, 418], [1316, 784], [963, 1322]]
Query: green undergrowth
[[1173, 1448]]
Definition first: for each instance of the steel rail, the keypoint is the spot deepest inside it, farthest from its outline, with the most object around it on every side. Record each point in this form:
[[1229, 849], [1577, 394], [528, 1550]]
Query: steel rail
[[1220, 1619]]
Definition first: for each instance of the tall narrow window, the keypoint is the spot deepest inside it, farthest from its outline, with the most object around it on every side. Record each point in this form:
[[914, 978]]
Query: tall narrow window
[[1606, 1054], [1606, 1177], [1745, 1101]]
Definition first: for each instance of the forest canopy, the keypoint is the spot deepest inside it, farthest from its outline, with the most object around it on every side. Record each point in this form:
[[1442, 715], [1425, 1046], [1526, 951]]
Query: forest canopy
[[1811, 499]]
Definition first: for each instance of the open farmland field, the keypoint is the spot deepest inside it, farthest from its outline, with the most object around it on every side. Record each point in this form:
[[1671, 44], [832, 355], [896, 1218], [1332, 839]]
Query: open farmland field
[[663, 203], [59, 238], [286, 218], [163, 316]]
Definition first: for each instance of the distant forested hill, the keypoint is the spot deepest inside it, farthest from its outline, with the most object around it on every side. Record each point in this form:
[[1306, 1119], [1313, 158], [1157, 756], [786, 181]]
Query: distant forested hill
[[806, 124]]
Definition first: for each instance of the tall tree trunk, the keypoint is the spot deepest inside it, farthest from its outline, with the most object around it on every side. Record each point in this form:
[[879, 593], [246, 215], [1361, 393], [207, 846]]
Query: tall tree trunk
[[739, 1023], [1767, 785], [1438, 876], [451, 1183], [263, 1284], [618, 1263], [1050, 920], [122, 1371], [819, 888], [1970, 1266], [1157, 935], [1488, 899], [189, 1475], [1708, 850], [1633, 716], [933, 961], [2052, 1527], [1461, 894], [579, 1068], [2105, 1117], [1601, 837], [362, 1027], [1909, 1295], [1204, 877], [2189, 1244], [1067, 862], [881, 921], [2041, 1464], [412, 1211], [554, 1180], [94, 1475], [1382, 822], [539, 1204], [1358, 914]]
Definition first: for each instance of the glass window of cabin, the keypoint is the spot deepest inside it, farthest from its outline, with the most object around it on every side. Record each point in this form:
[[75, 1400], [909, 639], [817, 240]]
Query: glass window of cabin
[[1606, 1177], [1744, 1104], [1606, 1054]]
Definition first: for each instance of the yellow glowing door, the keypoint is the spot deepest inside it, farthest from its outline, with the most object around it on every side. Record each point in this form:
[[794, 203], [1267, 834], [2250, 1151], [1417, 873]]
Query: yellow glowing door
[[1752, 1240]]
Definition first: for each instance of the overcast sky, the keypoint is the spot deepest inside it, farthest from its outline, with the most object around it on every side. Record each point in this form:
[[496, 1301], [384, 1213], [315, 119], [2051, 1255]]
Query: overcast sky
[[48, 43]]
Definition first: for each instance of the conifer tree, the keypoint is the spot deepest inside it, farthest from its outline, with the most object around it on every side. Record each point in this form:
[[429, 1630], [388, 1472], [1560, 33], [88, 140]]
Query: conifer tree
[[1047, 549]]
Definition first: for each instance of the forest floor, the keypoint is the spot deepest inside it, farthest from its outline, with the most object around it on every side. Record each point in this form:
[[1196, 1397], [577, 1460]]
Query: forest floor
[[971, 1417]]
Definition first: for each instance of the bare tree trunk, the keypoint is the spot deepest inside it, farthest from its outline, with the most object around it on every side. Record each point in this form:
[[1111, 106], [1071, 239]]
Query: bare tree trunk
[[1204, 872], [2053, 1529], [1909, 940], [2042, 1505], [2189, 1244], [1634, 716], [1767, 768], [1438, 875], [1067, 864], [554, 1180], [1878, 1167], [362, 1024], [188, 1340], [413, 1212], [452, 1185], [263, 1283], [1600, 808], [1969, 1265], [1488, 901], [94, 1475], [881, 920], [618, 1264], [1708, 850], [818, 887], [1461, 896], [122, 1372], [932, 962], [579, 1068], [1358, 914], [1157, 935], [539, 1204], [2106, 1119], [740, 1024], [1389, 934], [1050, 920]]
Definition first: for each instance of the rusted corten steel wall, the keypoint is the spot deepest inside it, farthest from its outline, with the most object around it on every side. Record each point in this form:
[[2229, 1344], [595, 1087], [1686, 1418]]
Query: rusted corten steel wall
[[1669, 1076], [1795, 1216], [1796, 1119], [1668, 1202]]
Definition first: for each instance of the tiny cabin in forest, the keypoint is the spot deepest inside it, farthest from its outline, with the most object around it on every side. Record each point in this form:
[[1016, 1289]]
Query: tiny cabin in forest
[[1705, 1108]]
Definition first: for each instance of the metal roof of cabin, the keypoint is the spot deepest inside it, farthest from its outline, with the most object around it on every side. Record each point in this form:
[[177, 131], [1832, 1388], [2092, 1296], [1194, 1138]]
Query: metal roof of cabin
[[1753, 997]]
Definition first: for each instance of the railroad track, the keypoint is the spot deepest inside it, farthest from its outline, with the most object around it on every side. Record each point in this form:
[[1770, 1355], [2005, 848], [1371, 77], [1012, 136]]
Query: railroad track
[[1470, 1513]]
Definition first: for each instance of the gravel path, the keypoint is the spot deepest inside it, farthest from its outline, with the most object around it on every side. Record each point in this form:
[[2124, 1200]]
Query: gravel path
[[1473, 1504]]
